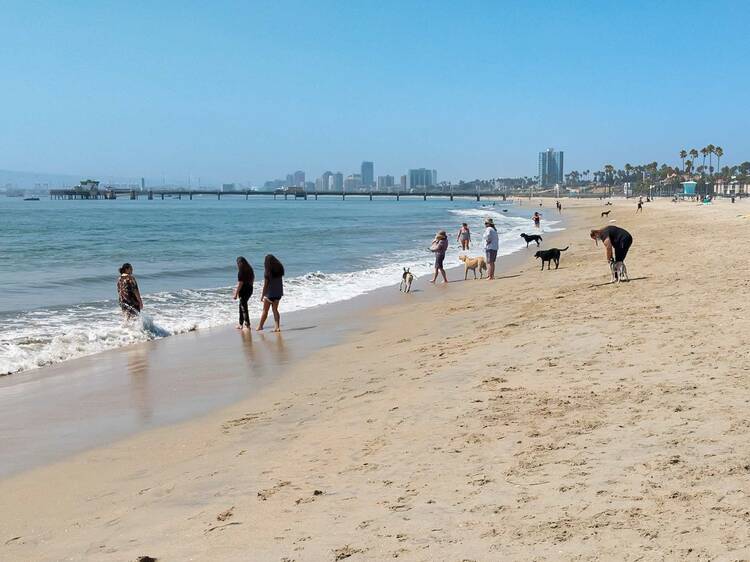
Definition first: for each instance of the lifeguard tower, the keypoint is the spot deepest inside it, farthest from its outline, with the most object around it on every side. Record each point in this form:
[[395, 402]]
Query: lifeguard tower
[[688, 189]]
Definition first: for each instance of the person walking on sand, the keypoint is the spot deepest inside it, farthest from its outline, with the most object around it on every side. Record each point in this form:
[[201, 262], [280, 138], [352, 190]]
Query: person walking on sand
[[616, 241], [273, 290], [128, 293], [244, 290], [491, 246], [439, 246], [640, 207], [537, 218], [559, 207], [464, 236]]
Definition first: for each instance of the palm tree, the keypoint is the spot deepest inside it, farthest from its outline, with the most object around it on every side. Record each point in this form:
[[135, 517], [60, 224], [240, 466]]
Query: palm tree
[[683, 155], [710, 148], [693, 154], [719, 153], [704, 153], [688, 166]]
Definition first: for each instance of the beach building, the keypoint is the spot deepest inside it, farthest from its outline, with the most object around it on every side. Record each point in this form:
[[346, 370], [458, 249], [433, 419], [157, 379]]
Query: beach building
[[731, 187], [368, 174], [550, 168]]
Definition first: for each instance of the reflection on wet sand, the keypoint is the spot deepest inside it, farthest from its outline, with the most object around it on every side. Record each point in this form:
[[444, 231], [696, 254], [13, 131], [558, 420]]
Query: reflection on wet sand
[[140, 395]]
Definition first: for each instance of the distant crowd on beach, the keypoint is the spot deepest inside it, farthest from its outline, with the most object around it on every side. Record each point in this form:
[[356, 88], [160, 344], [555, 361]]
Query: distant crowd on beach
[[131, 303], [616, 241]]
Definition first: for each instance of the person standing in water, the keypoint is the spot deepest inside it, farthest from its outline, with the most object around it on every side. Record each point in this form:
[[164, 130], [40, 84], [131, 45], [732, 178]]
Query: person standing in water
[[464, 236], [128, 293], [537, 218], [491, 246], [439, 247], [273, 290], [244, 290]]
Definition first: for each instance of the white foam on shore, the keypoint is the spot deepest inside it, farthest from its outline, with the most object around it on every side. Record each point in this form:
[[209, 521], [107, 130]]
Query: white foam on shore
[[41, 337]]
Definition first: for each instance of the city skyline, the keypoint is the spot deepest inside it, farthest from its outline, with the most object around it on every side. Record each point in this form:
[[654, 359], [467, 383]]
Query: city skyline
[[139, 95]]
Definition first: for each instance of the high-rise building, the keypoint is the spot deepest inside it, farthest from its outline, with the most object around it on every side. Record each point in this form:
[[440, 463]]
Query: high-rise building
[[385, 182], [353, 182], [337, 181], [368, 174], [550, 168], [299, 178], [421, 178], [403, 181]]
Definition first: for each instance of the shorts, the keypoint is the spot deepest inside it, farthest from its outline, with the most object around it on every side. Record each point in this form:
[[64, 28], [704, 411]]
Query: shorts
[[491, 255], [621, 250], [272, 299], [439, 261]]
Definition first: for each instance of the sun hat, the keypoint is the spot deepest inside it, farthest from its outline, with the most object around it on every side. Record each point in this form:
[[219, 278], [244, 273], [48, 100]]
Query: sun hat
[[489, 220]]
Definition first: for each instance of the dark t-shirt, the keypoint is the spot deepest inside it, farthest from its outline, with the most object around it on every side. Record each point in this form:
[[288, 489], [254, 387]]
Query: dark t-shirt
[[275, 287], [247, 278], [618, 237]]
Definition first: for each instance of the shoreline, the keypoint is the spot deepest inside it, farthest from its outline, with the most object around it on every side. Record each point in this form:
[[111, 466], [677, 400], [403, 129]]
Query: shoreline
[[141, 386], [84, 328]]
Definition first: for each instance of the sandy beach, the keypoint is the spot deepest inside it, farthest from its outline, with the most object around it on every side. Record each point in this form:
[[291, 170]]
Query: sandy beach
[[543, 416]]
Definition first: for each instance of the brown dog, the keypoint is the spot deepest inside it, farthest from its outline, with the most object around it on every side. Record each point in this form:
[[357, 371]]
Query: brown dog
[[473, 264]]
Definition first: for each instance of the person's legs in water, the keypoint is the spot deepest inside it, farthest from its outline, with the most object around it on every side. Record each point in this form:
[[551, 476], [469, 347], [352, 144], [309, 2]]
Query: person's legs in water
[[276, 315], [264, 314]]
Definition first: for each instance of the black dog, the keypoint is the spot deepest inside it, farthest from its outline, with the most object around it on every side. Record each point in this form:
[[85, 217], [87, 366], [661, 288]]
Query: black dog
[[531, 238], [606, 213], [549, 256]]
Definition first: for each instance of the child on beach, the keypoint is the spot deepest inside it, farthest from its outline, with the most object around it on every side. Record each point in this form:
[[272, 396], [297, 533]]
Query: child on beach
[[439, 247], [244, 290], [464, 236], [273, 290], [128, 293]]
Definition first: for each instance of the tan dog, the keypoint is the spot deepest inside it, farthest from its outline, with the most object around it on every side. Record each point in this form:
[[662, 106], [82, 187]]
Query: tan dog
[[473, 264]]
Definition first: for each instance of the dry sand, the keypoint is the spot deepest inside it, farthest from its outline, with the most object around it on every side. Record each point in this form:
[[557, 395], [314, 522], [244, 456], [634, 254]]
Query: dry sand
[[545, 416]]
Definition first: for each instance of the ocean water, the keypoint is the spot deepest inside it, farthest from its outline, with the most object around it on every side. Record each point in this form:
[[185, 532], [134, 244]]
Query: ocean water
[[59, 261]]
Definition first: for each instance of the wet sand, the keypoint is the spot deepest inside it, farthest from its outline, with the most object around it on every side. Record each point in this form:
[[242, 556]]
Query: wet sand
[[548, 415]]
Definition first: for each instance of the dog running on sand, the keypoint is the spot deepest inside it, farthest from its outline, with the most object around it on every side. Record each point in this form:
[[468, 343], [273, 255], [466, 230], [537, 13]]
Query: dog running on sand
[[549, 256], [606, 213], [473, 264], [531, 238], [407, 278]]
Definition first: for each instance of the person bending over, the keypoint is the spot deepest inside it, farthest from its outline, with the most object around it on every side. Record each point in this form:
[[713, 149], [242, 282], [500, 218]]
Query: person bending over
[[617, 242]]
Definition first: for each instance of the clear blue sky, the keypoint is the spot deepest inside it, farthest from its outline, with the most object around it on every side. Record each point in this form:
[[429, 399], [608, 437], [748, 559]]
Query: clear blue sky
[[247, 91]]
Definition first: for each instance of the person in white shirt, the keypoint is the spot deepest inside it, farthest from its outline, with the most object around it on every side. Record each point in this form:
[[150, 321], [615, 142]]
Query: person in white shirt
[[491, 245]]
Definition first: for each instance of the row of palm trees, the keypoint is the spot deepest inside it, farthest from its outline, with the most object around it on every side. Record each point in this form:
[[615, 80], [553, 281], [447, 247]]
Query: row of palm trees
[[709, 150]]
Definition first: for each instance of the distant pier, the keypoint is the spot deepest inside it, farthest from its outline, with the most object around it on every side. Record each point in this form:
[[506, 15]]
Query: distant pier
[[72, 194]]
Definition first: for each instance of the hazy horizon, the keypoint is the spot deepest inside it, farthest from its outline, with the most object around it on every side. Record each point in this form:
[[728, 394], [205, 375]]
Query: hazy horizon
[[249, 93]]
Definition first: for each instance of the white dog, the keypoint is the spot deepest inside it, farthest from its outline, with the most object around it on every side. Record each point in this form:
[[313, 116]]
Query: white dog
[[407, 278]]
